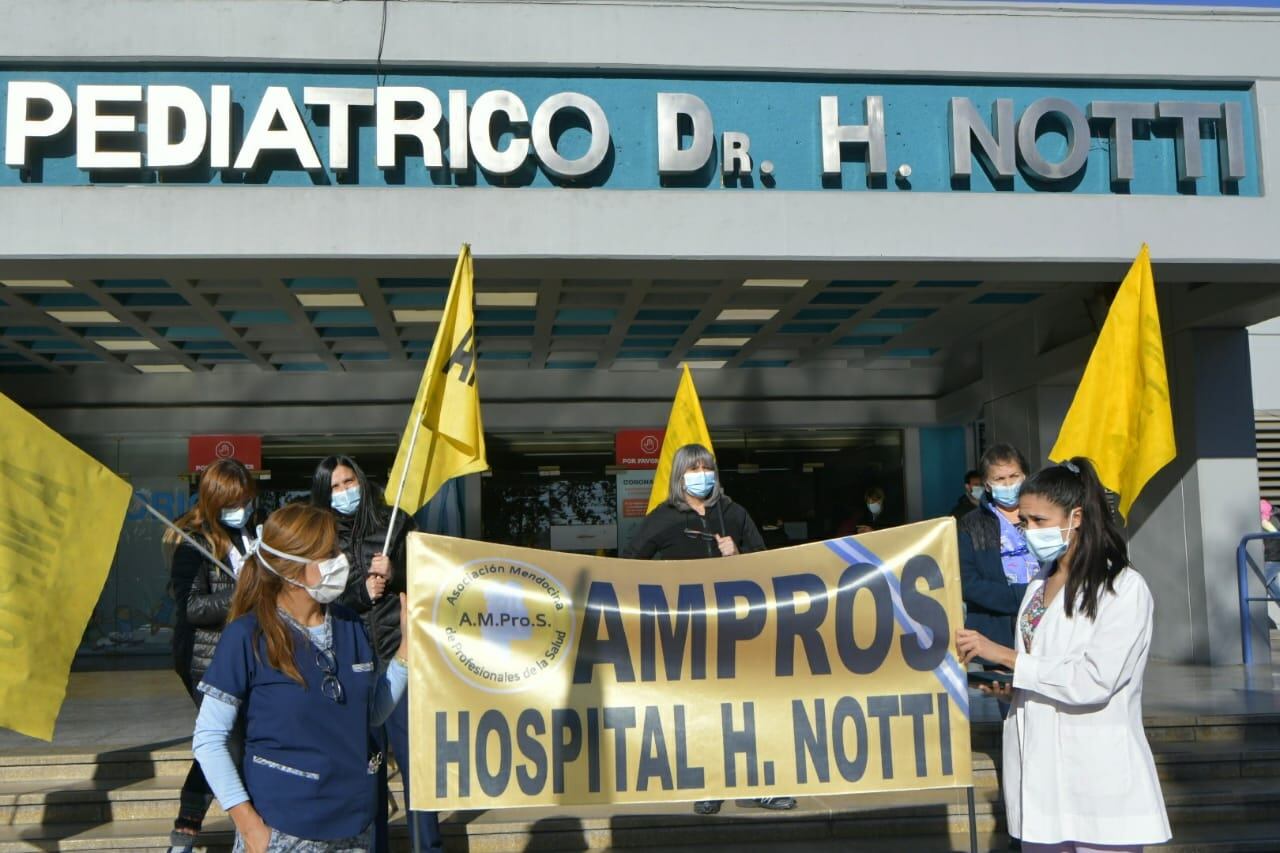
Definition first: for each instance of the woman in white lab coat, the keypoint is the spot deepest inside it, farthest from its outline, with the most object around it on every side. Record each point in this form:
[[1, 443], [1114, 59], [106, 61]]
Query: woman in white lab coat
[[1078, 772]]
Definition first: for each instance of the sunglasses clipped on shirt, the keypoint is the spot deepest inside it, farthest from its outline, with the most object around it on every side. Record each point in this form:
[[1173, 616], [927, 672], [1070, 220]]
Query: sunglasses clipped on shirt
[[330, 686], [699, 534]]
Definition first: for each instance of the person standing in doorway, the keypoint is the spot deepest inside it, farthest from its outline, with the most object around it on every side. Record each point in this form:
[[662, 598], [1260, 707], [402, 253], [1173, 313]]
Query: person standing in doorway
[[875, 516], [995, 563], [375, 581], [699, 521], [202, 592], [974, 491], [1078, 772]]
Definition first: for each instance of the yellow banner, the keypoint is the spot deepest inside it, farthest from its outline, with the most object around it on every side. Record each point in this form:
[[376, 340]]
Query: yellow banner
[[540, 678], [60, 518]]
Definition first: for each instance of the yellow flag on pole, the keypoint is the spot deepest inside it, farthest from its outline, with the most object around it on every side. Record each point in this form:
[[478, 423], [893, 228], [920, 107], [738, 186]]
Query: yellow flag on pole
[[444, 437], [1120, 417], [685, 426], [60, 518]]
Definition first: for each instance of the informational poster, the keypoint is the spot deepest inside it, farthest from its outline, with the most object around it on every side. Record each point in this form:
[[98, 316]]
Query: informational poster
[[633, 498]]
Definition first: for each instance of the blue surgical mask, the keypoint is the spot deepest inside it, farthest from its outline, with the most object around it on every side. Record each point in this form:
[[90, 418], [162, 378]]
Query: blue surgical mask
[[237, 517], [700, 484], [1047, 543], [1006, 496], [347, 502], [976, 492]]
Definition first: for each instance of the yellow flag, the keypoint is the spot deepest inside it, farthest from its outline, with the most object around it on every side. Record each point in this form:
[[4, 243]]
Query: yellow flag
[[1120, 417], [684, 426], [444, 437], [60, 518]]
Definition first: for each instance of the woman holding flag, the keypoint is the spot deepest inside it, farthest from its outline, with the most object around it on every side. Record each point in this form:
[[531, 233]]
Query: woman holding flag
[[373, 589], [1079, 775], [202, 590]]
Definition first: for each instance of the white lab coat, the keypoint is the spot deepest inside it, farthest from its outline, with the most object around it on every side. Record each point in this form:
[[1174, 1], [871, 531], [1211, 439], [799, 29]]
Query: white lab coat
[[1077, 766]]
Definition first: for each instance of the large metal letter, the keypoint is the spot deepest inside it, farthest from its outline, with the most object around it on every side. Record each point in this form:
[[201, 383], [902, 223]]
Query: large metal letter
[[735, 158], [1231, 165], [20, 126], [458, 159], [672, 159], [339, 101], [1187, 136], [422, 128], [89, 123], [546, 151], [277, 101], [998, 150], [488, 105], [1122, 115], [220, 127], [162, 151], [871, 134], [1077, 138]]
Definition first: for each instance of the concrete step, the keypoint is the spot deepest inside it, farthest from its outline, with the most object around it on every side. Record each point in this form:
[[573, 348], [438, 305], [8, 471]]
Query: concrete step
[[736, 830], [1170, 728], [1250, 773]]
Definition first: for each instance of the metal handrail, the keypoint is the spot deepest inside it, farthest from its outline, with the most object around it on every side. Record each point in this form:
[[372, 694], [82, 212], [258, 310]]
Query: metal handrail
[[1243, 563]]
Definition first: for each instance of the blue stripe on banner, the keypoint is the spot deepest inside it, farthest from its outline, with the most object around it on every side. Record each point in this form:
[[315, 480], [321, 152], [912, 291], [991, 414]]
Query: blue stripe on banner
[[950, 673]]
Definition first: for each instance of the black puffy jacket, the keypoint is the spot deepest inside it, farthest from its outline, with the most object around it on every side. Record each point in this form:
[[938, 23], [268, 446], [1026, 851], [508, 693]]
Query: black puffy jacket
[[663, 534], [381, 617], [202, 592]]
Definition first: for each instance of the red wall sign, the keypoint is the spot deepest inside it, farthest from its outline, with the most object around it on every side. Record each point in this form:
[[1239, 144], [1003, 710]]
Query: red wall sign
[[204, 450], [638, 448]]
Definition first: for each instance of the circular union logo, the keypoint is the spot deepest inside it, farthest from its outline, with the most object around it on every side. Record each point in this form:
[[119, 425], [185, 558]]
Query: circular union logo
[[649, 444], [224, 450], [506, 624]]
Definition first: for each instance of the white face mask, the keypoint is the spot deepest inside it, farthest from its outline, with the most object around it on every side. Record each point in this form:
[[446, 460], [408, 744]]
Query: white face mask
[[333, 573], [874, 508]]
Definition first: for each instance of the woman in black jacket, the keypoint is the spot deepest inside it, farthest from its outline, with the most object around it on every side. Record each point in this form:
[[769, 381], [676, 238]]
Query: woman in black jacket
[[221, 521], [698, 521], [374, 585]]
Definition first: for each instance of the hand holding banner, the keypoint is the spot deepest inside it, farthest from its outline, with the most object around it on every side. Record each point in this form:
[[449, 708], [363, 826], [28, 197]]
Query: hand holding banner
[[541, 678]]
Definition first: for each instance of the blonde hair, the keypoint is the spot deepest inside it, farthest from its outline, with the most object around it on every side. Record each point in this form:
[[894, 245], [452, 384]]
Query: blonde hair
[[298, 529]]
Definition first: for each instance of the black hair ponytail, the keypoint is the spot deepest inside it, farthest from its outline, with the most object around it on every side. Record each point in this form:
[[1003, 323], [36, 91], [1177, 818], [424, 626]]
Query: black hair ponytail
[[1100, 551]]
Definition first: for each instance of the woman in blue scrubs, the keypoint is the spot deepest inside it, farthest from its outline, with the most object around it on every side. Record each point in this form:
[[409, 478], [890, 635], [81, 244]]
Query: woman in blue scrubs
[[299, 674]]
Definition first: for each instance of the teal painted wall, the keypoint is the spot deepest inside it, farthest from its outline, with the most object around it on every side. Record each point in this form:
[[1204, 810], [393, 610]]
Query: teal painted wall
[[942, 468]]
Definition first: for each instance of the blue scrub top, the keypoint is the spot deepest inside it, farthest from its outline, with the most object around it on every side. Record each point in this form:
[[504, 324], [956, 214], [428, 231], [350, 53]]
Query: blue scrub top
[[309, 762]]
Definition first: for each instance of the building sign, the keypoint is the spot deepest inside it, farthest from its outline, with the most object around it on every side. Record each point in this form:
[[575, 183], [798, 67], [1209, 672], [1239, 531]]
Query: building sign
[[637, 448], [204, 450], [623, 133]]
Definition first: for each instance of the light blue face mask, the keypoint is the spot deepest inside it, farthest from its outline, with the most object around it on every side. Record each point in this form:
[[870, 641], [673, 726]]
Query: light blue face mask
[[237, 517], [1006, 496], [348, 501], [700, 484], [1047, 543]]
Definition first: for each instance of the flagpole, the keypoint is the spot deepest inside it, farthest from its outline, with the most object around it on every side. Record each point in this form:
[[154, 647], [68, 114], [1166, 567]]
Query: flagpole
[[184, 534], [404, 476]]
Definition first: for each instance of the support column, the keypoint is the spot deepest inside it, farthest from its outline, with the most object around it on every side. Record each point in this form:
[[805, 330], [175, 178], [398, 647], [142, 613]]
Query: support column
[[1185, 528]]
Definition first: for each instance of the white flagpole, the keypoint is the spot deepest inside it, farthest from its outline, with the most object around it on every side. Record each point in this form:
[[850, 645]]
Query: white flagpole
[[184, 534], [404, 475]]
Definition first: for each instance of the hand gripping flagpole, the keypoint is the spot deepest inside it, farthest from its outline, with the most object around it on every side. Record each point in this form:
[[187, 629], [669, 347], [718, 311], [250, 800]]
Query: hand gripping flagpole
[[191, 540]]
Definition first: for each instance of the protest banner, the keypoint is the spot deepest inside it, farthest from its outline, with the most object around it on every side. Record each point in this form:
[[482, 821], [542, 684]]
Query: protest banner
[[540, 678]]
